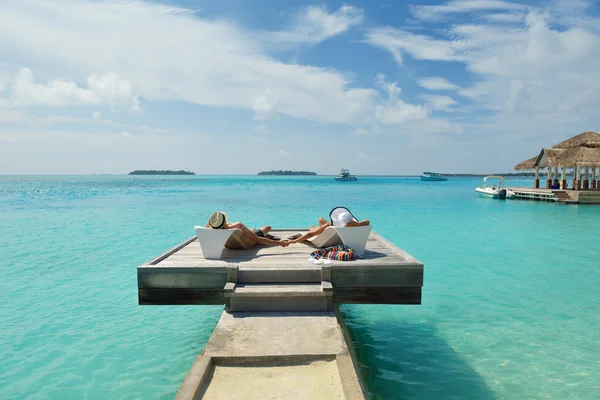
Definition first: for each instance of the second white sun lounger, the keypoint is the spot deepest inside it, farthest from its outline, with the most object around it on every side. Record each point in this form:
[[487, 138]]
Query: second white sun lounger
[[355, 237]]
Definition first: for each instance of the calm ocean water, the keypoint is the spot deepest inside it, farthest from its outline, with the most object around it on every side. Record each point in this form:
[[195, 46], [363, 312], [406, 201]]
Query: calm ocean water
[[511, 300]]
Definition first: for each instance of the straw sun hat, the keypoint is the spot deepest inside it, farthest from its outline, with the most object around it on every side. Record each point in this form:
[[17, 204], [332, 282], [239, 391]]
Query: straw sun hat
[[217, 220]]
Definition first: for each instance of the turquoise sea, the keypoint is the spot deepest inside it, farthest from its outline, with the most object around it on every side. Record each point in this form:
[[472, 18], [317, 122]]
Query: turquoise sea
[[511, 299]]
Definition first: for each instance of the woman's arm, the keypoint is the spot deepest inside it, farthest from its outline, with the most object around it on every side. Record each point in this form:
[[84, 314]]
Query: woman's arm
[[310, 234]]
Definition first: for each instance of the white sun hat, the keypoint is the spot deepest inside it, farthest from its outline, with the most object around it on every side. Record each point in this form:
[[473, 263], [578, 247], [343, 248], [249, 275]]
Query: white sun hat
[[340, 216]]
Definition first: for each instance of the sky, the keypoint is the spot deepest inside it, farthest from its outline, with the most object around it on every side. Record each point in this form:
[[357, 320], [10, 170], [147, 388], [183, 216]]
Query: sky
[[242, 86]]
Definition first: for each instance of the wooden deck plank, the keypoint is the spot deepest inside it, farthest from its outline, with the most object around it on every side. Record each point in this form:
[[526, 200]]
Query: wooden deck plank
[[377, 248]]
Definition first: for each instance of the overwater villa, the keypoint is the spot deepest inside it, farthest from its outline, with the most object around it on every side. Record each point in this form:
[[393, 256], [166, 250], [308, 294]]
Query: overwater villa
[[579, 157]]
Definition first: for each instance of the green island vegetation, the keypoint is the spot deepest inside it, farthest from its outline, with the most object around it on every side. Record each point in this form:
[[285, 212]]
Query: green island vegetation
[[280, 172], [160, 172]]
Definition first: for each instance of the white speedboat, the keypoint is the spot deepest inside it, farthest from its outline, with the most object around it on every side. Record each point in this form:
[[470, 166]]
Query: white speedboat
[[344, 175], [494, 190]]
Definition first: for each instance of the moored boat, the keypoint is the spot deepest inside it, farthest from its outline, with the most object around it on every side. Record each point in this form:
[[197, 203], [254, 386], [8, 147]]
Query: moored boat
[[433, 176], [344, 175], [495, 191]]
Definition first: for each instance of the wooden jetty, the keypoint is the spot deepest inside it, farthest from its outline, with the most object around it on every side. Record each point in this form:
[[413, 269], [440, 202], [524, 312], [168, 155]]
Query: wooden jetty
[[564, 196], [280, 318]]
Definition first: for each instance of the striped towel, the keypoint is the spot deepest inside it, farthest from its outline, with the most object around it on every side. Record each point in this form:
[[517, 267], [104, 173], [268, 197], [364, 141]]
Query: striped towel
[[338, 253]]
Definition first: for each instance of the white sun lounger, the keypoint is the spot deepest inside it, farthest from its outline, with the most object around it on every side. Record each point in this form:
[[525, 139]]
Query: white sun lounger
[[355, 237], [212, 241], [327, 238]]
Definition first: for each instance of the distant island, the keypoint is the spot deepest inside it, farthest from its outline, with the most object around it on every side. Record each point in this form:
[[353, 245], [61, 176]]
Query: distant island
[[287, 173], [160, 172]]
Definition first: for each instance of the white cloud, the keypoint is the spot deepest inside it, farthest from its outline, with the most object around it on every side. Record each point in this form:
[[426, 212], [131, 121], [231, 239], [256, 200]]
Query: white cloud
[[11, 115], [395, 111], [102, 89], [315, 24], [391, 88], [265, 106], [97, 116], [437, 83], [284, 153], [505, 18], [261, 129], [442, 103], [361, 132], [169, 54], [420, 47], [399, 112], [464, 6], [537, 76], [8, 138]]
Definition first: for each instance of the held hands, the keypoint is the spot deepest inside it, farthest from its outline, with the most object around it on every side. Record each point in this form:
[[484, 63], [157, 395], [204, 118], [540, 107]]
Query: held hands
[[284, 243]]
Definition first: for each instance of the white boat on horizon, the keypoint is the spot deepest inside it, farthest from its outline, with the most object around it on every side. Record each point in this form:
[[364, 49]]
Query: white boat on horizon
[[494, 191], [433, 176], [344, 175]]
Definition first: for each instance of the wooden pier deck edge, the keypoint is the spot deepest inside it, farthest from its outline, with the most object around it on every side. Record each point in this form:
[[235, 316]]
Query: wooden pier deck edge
[[203, 282], [561, 196]]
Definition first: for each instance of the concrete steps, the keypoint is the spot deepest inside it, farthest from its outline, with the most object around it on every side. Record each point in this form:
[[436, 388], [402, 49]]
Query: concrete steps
[[278, 297], [563, 196], [280, 275]]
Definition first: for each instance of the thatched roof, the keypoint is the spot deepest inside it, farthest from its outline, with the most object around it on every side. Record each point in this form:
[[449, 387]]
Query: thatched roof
[[585, 139], [527, 164], [580, 156], [581, 150]]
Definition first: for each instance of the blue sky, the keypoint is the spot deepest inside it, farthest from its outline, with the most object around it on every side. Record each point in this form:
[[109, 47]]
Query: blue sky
[[234, 87]]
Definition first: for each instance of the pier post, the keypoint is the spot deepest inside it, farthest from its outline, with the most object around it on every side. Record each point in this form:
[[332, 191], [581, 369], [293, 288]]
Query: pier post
[[563, 182], [593, 185], [537, 177], [586, 180], [549, 180], [576, 178]]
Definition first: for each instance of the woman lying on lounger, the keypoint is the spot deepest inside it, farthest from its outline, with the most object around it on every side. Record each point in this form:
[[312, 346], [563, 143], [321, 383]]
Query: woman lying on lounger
[[340, 216], [247, 237]]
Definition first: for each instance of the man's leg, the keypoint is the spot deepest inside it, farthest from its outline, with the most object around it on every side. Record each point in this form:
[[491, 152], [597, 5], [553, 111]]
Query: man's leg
[[266, 229]]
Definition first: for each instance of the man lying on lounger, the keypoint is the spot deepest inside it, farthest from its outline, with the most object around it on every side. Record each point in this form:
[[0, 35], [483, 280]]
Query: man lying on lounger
[[218, 220], [344, 218]]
